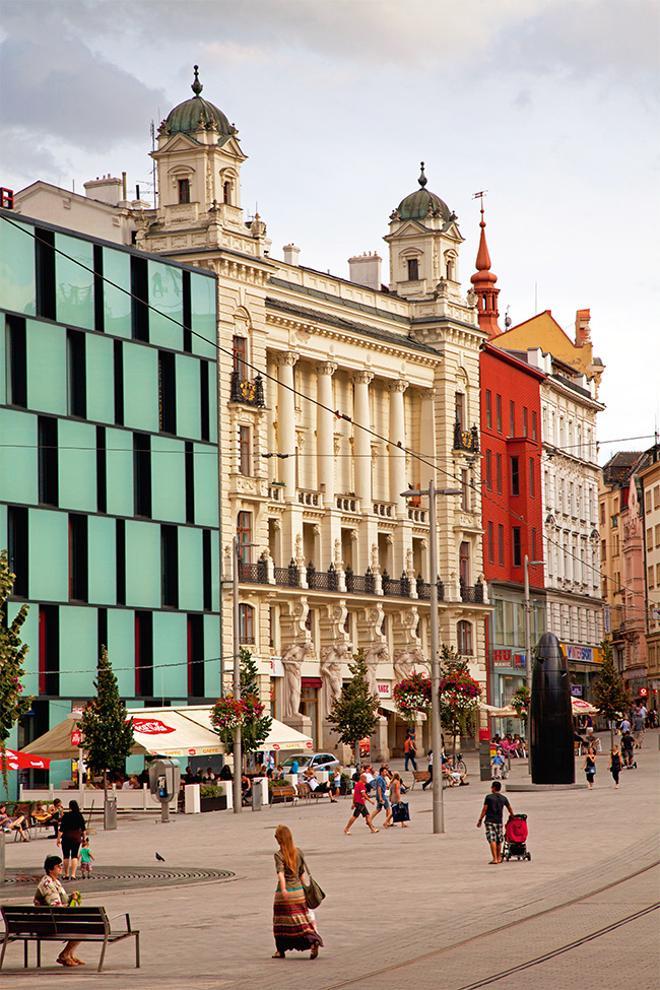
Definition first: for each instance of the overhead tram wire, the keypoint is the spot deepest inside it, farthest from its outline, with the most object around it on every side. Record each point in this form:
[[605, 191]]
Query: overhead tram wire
[[291, 388]]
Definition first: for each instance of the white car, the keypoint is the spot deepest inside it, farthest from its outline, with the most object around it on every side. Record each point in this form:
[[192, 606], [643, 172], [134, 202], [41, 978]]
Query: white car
[[317, 761]]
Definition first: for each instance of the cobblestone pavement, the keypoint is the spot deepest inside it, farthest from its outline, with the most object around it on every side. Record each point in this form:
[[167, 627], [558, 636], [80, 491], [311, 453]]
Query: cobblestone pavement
[[392, 897]]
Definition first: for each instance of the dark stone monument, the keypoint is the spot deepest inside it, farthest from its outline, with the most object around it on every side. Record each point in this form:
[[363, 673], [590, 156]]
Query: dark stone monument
[[551, 716]]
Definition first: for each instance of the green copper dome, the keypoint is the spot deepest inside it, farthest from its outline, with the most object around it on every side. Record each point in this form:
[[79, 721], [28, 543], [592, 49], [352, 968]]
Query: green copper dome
[[419, 204], [189, 116]]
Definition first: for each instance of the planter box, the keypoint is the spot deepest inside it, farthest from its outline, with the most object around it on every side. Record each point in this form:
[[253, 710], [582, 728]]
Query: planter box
[[213, 804]]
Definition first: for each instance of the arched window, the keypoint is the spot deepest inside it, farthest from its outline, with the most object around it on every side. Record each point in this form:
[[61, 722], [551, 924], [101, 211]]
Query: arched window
[[464, 636], [226, 191], [246, 623]]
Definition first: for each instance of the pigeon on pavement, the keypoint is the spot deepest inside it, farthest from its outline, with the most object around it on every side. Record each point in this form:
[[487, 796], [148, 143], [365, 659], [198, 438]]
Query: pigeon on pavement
[[160, 858]]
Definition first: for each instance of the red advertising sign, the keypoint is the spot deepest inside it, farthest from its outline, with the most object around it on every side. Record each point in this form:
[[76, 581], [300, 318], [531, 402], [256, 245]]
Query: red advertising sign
[[76, 737], [151, 726]]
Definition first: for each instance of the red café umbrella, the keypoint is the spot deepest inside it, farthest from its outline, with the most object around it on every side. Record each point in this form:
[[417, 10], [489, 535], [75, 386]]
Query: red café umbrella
[[11, 760]]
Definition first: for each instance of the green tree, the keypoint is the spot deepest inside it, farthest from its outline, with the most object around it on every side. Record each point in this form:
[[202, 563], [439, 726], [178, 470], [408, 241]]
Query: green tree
[[107, 736], [256, 724], [609, 691], [354, 713], [13, 703]]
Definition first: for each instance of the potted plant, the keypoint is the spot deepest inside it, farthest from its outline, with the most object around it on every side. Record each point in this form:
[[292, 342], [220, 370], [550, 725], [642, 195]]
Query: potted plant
[[212, 798]]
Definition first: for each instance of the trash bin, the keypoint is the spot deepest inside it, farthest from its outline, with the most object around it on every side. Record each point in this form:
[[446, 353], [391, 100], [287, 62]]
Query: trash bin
[[257, 794], [110, 813]]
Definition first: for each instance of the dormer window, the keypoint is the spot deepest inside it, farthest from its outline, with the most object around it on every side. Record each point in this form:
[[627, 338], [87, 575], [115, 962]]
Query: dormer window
[[413, 269], [184, 190]]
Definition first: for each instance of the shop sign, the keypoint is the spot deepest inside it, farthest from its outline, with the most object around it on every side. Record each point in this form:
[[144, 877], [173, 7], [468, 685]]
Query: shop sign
[[384, 689], [576, 690], [519, 660], [276, 667], [643, 692], [501, 658], [582, 654]]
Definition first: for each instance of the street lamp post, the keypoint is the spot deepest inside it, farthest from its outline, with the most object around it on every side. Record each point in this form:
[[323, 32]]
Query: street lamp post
[[238, 749], [528, 650], [436, 734]]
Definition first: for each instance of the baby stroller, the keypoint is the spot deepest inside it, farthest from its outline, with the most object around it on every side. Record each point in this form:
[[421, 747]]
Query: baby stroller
[[515, 837]]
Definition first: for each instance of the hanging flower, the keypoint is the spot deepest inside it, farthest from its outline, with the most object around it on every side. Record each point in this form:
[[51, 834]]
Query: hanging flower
[[227, 714], [412, 695], [520, 701], [253, 708], [459, 694]]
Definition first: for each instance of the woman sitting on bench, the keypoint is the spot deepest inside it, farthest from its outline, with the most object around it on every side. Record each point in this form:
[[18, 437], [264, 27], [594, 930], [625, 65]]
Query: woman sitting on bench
[[9, 824], [51, 893]]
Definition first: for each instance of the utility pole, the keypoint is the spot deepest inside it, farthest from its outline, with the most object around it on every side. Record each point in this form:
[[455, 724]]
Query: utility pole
[[238, 750], [528, 650], [436, 733]]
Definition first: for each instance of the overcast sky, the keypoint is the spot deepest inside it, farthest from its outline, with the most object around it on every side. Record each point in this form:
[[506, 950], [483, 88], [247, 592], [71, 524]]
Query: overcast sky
[[551, 106]]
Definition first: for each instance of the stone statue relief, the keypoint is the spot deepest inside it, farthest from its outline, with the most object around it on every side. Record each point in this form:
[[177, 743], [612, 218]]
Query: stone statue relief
[[292, 661], [406, 661], [378, 653], [332, 658]]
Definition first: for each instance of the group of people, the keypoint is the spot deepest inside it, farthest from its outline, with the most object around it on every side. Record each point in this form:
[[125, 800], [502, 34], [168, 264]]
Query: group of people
[[383, 790]]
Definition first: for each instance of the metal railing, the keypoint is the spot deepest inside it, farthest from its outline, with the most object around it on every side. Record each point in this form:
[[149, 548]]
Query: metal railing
[[360, 583], [466, 439], [473, 593], [424, 590], [255, 573], [322, 580], [399, 588], [288, 577], [248, 391]]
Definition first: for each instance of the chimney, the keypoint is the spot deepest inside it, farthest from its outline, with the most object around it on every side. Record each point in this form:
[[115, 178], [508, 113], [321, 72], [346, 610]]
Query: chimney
[[582, 327], [291, 254], [107, 189], [365, 269]]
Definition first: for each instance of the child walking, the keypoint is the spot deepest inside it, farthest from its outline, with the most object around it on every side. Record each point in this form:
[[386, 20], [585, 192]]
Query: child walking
[[615, 765], [86, 859], [497, 763]]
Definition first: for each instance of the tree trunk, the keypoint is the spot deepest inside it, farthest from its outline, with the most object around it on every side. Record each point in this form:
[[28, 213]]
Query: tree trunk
[[357, 755]]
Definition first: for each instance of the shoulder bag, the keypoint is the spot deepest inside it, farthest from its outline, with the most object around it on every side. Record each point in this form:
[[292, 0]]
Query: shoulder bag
[[313, 892]]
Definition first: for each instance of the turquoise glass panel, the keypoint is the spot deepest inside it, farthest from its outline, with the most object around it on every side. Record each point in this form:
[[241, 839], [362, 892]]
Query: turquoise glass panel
[[74, 284], [215, 570], [116, 296], [191, 595], [213, 652], [78, 651], [141, 387], [46, 367], [100, 378], [213, 403], [168, 479], [166, 300], [119, 472], [29, 634], [48, 555], [3, 357], [142, 564], [17, 267], [77, 465], [18, 456], [170, 647], [206, 485], [203, 309], [121, 649], [102, 546], [188, 407]]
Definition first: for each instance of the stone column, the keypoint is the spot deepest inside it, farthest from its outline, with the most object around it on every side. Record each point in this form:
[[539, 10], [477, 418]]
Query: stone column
[[325, 434], [398, 480], [286, 422], [362, 440]]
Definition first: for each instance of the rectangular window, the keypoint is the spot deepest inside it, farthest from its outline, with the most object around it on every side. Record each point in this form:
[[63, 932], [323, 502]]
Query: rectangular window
[[246, 623], [459, 407], [512, 418], [44, 243], [184, 190], [498, 413], [187, 312], [534, 547], [99, 301], [489, 408], [244, 534], [602, 513], [489, 470], [239, 349], [413, 269], [144, 650], [17, 538], [101, 629], [48, 460], [190, 483], [500, 544], [140, 300], [498, 473], [491, 543], [118, 362], [16, 362], [207, 583], [465, 490], [166, 392], [142, 474], [515, 476], [78, 579], [49, 650], [516, 546], [195, 641], [77, 387], [120, 536], [205, 414], [532, 478], [525, 423], [245, 450], [535, 427], [101, 471], [169, 566]]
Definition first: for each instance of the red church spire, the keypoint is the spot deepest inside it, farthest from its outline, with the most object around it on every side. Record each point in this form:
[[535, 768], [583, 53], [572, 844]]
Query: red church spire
[[483, 282]]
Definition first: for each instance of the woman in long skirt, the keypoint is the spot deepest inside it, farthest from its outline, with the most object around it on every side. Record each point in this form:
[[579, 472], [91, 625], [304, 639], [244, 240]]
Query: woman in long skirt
[[293, 925]]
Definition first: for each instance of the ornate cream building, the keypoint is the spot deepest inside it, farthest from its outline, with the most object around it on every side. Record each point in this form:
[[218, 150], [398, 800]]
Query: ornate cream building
[[335, 397]]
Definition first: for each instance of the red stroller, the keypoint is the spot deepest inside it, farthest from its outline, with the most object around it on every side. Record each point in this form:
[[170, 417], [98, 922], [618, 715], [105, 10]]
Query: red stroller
[[515, 837]]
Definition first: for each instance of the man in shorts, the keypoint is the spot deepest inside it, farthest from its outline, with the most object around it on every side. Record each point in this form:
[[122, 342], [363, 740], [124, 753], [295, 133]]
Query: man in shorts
[[494, 805], [360, 798], [382, 800]]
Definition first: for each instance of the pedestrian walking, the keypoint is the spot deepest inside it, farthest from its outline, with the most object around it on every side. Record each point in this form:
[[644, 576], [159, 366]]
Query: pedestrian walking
[[638, 723], [627, 748], [294, 926], [86, 859], [498, 763], [400, 812], [72, 832], [360, 799], [410, 751], [615, 765], [382, 800], [492, 811], [590, 768], [429, 766]]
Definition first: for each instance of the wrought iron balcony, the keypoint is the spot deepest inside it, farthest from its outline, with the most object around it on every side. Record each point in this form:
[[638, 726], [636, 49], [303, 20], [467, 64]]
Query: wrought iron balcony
[[473, 593], [322, 580], [288, 577], [466, 439], [424, 589], [248, 391], [360, 583], [400, 588], [254, 573]]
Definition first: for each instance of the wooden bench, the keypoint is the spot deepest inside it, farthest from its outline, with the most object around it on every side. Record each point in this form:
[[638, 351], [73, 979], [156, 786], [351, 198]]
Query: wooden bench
[[283, 792], [57, 924], [420, 777], [306, 792]]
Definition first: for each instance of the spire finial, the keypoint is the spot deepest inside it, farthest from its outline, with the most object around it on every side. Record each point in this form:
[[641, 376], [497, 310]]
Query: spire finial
[[422, 178], [196, 85]]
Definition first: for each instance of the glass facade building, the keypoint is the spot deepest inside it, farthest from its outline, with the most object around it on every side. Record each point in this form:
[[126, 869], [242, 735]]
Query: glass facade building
[[108, 470]]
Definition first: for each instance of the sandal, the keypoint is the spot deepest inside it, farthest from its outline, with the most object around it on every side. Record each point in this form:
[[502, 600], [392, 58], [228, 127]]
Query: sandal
[[65, 961], [278, 955], [314, 953]]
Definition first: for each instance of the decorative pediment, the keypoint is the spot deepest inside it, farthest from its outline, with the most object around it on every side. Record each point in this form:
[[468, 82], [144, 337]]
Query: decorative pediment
[[178, 142]]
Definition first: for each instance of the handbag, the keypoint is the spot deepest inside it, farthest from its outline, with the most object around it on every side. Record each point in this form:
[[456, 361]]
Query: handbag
[[401, 812], [313, 892]]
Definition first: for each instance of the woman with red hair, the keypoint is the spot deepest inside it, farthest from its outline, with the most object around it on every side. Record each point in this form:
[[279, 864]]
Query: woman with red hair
[[293, 923]]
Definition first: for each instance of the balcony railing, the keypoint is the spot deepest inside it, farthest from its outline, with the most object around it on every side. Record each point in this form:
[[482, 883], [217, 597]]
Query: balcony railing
[[424, 590], [348, 503], [322, 580], [473, 593], [361, 583], [276, 492], [386, 510], [417, 515], [256, 573], [466, 439], [400, 588], [307, 497], [248, 391], [288, 577]]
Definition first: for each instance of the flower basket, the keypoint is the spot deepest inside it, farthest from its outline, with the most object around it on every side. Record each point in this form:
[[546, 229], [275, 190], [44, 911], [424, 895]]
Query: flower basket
[[412, 695], [228, 714]]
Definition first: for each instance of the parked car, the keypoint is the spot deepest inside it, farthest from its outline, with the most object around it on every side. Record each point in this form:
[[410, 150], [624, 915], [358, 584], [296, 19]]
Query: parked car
[[318, 761]]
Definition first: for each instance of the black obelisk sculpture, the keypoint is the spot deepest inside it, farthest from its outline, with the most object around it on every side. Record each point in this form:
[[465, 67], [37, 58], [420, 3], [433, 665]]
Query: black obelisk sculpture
[[551, 716]]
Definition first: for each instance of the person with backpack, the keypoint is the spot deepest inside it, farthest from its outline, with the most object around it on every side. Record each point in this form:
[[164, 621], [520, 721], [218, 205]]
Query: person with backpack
[[409, 751]]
